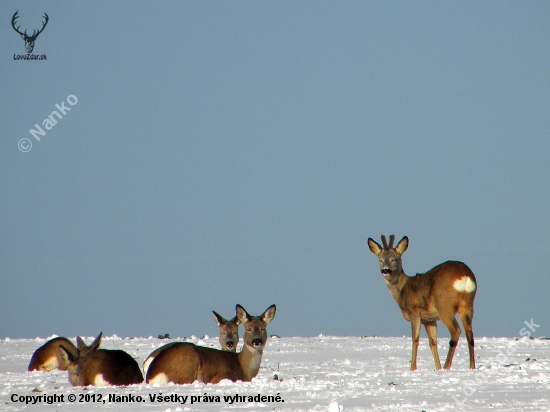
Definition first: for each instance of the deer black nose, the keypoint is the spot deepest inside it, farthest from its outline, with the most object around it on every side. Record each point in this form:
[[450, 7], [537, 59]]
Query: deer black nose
[[229, 344], [256, 342], [386, 271]]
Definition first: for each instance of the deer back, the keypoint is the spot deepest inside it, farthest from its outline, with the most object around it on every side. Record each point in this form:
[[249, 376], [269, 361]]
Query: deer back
[[106, 367], [48, 356], [185, 362], [100, 367]]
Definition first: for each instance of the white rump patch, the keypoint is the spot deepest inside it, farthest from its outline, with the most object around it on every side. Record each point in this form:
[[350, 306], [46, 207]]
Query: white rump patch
[[99, 381], [464, 284], [50, 364], [160, 379]]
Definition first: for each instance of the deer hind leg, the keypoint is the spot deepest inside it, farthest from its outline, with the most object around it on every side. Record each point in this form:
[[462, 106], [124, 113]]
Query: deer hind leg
[[431, 330], [415, 324], [454, 330], [466, 316]]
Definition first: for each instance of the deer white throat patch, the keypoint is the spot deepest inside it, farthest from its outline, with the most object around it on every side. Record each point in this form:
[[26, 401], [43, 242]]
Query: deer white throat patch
[[464, 284]]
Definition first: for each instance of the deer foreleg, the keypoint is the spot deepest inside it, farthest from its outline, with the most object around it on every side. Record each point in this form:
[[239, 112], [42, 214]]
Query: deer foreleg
[[415, 325], [431, 330]]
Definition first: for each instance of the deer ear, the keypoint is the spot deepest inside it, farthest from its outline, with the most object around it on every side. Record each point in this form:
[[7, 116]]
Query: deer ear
[[95, 344], [374, 247], [218, 318], [80, 344], [66, 355], [269, 314], [242, 314], [402, 245]]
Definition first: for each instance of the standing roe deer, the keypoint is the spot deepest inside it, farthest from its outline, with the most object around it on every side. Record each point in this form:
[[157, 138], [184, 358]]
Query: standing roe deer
[[439, 294], [100, 367], [229, 338], [185, 362], [48, 356]]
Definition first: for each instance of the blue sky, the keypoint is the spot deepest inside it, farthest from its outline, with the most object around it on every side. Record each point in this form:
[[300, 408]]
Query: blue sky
[[243, 152]]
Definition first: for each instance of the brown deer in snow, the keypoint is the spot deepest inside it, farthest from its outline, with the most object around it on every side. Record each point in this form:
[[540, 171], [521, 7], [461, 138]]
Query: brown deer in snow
[[48, 356], [184, 362], [100, 367], [229, 338], [439, 294]]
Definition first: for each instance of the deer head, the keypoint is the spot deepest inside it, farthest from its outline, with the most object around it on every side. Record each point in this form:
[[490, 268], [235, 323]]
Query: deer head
[[389, 257], [229, 332], [255, 333], [29, 40]]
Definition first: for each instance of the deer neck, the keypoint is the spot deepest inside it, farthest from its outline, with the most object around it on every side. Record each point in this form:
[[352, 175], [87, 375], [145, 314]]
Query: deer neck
[[250, 359], [396, 287]]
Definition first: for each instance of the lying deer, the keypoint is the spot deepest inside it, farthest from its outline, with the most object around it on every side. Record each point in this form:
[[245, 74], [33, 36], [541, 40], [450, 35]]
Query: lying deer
[[185, 362], [439, 294], [229, 338], [48, 356], [100, 367]]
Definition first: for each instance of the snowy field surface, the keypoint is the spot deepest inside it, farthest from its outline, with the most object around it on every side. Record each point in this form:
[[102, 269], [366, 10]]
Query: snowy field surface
[[323, 373]]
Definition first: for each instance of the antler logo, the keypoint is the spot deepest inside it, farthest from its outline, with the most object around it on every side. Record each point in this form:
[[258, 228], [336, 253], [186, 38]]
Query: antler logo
[[29, 40]]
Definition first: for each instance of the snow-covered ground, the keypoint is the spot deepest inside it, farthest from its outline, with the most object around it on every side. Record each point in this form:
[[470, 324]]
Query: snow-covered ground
[[323, 373]]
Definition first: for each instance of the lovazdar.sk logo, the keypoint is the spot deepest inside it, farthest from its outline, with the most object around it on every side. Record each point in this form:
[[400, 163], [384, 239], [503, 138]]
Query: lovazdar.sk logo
[[29, 39]]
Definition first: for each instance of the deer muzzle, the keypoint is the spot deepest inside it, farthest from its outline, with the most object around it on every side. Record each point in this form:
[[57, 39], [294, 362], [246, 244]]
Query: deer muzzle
[[257, 342]]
